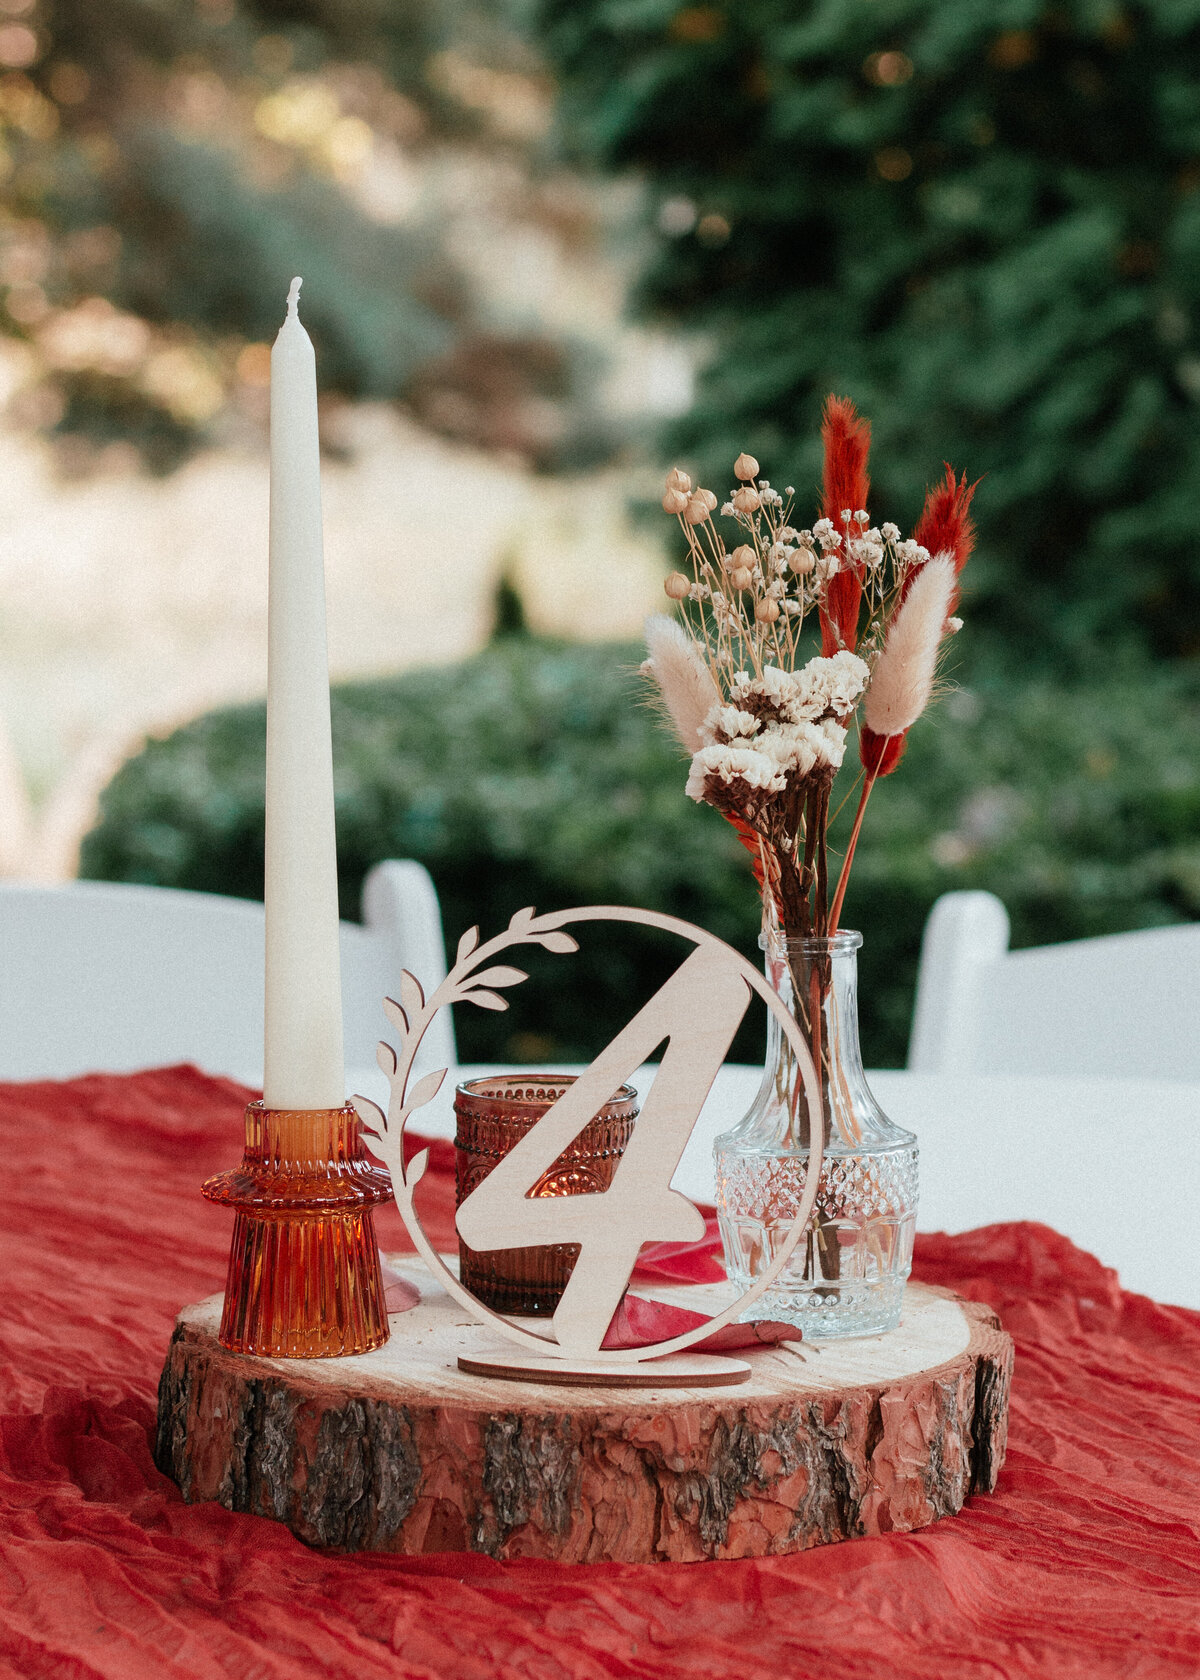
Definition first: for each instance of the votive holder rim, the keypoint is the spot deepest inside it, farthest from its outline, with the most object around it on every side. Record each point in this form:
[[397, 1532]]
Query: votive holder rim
[[476, 1091]]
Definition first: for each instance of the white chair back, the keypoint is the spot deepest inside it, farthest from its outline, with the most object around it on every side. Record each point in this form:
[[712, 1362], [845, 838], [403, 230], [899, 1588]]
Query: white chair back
[[1123, 1006], [99, 976]]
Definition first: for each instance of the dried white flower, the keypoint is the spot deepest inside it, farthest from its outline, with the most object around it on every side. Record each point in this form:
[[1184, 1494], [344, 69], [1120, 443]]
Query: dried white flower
[[726, 724], [818, 689], [835, 742], [866, 552], [790, 748], [769, 693], [726, 764], [891, 533], [827, 685], [800, 748]]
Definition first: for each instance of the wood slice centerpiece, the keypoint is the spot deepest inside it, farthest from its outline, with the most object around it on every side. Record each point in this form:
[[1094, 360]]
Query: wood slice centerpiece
[[399, 1450]]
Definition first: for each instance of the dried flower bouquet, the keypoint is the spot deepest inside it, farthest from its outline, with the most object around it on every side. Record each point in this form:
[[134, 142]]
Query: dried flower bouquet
[[764, 717]]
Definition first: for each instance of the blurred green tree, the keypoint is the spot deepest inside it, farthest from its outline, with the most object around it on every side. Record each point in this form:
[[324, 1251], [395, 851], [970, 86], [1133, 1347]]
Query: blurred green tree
[[980, 221], [166, 168]]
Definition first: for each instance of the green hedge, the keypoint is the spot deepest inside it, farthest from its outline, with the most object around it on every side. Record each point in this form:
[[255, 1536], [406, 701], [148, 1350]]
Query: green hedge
[[534, 773]]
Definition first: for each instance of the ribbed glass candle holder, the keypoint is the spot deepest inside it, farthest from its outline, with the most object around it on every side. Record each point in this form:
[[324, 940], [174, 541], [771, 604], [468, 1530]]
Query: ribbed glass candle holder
[[493, 1115], [304, 1279]]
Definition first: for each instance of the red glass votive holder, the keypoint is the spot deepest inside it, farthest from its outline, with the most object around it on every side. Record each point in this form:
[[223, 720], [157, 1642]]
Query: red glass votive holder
[[493, 1115], [304, 1279]]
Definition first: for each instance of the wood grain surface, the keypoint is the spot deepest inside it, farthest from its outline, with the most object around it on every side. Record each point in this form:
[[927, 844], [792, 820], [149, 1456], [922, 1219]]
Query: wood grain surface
[[399, 1450]]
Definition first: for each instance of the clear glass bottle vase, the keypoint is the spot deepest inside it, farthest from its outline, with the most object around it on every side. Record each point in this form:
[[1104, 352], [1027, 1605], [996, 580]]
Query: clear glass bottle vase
[[847, 1275]]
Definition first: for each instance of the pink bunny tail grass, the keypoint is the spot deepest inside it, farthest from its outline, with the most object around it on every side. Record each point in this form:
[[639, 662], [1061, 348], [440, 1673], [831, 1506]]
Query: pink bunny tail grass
[[902, 680], [684, 680]]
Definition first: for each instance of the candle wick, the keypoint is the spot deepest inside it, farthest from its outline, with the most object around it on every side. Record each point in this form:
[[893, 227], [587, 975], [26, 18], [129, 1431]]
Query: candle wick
[[294, 296]]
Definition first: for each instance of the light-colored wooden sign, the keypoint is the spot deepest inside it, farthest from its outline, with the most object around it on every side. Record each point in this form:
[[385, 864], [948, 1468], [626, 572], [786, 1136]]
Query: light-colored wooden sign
[[696, 1014]]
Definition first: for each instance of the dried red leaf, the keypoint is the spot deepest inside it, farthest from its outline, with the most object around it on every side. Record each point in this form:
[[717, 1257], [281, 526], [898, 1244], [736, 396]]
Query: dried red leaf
[[750, 839], [398, 1294], [639, 1322], [684, 1262]]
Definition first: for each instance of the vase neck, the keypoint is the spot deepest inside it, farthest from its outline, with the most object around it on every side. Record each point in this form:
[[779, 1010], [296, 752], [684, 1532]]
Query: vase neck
[[818, 981], [820, 975]]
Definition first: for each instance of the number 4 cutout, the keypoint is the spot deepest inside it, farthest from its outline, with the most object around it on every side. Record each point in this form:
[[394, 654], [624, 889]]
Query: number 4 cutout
[[697, 1011]]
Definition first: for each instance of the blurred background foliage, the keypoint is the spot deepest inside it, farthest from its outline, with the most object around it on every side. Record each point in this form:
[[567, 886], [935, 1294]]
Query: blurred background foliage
[[981, 222], [168, 166], [536, 773]]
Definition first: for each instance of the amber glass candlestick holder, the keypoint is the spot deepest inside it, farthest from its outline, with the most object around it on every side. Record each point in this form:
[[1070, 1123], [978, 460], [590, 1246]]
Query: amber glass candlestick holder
[[304, 1279]]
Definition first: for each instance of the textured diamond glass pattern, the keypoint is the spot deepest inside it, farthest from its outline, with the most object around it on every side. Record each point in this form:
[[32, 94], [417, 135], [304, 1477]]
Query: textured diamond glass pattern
[[847, 1276]]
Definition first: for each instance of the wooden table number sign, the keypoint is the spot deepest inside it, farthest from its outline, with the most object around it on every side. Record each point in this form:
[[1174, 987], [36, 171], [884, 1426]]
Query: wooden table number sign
[[470, 1429], [696, 1013]]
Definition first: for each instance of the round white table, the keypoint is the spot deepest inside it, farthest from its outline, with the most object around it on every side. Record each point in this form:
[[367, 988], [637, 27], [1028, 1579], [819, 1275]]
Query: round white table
[[996, 1147]]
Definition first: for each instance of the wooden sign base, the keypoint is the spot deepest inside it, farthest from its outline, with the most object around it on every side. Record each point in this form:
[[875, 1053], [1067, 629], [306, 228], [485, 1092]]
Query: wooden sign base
[[679, 1370], [400, 1450]]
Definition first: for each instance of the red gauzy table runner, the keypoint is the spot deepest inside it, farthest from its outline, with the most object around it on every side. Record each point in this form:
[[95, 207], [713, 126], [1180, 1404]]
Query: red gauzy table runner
[[1085, 1562]]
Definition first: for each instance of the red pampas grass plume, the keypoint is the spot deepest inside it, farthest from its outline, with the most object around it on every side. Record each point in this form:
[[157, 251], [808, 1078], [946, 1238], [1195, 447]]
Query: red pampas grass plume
[[844, 485], [945, 525], [847, 441]]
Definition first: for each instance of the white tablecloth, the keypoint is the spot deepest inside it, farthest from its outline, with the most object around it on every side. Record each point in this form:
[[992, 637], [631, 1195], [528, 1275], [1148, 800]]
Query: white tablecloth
[[1114, 1164]]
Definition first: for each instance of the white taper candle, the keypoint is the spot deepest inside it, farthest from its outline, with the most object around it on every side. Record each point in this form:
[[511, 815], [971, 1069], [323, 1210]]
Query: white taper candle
[[303, 1056]]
